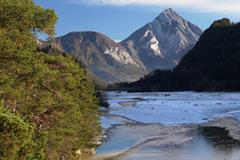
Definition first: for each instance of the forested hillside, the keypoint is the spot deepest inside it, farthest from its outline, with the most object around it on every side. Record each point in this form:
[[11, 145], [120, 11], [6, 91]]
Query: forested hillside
[[48, 107], [212, 65]]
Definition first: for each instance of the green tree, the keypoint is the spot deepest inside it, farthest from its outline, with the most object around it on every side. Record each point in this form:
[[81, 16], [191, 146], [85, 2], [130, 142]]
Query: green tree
[[50, 95], [225, 22]]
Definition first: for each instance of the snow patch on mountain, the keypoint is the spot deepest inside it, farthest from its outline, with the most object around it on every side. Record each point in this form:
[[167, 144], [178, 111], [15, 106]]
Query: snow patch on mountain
[[121, 56], [153, 43]]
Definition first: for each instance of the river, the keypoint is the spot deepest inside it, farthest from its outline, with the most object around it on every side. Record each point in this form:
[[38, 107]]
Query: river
[[165, 126]]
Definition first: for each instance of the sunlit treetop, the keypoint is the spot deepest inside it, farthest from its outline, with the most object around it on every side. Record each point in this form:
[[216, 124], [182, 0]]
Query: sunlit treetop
[[25, 16]]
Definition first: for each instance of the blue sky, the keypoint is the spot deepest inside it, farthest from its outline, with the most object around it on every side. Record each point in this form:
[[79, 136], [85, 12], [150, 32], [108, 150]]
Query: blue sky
[[119, 18]]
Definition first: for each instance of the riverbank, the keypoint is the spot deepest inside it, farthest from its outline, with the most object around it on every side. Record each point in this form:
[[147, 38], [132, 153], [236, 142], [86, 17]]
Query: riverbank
[[169, 126], [148, 141]]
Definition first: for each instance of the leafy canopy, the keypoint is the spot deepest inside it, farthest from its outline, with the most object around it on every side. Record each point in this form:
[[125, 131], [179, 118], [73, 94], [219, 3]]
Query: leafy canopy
[[20, 19]]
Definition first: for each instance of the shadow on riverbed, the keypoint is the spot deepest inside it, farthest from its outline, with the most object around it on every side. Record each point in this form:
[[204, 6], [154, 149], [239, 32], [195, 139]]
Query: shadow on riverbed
[[219, 137]]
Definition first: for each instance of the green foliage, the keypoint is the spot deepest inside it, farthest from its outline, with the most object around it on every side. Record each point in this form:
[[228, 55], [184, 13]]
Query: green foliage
[[225, 22], [48, 100], [55, 94], [102, 97], [20, 19], [24, 16], [16, 137]]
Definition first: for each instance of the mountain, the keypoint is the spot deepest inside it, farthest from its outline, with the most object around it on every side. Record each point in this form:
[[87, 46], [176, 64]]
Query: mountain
[[102, 57], [216, 57], [212, 65], [162, 43], [158, 45]]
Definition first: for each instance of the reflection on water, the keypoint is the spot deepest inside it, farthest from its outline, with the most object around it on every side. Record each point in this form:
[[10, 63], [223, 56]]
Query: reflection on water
[[198, 149], [141, 137]]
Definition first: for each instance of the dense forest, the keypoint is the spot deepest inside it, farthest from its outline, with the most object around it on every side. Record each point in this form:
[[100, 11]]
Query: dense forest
[[48, 106], [212, 65]]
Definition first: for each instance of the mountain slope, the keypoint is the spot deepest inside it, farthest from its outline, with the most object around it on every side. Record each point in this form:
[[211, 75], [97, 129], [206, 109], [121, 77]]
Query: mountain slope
[[213, 64], [162, 43], [158, 45], [103, 57], [216, 57]]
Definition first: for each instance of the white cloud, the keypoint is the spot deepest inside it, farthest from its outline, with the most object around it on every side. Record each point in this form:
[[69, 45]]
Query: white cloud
[[220, 6]]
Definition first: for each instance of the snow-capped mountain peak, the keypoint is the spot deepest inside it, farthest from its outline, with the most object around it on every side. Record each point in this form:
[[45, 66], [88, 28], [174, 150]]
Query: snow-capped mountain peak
[[168, 15], [164, 41], [159, 44]]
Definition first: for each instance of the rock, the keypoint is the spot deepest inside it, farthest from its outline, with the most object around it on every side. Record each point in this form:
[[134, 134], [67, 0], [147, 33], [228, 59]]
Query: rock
[[78, 152], [90, 151]]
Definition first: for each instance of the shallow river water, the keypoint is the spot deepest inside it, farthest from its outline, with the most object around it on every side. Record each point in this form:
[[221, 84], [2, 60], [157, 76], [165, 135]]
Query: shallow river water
[[163, 126]]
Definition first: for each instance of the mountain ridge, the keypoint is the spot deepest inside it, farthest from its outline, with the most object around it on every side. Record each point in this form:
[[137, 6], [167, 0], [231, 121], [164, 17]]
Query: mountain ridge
[[159, 44], [102, 56], [212, 65]]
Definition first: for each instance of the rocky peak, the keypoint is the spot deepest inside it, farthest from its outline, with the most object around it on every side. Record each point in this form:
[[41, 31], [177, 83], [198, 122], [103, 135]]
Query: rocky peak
[[159, 44], [162, 43], [170, 18], [168, 15]]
